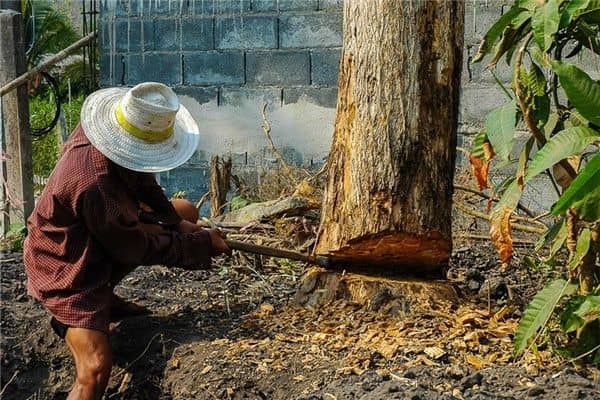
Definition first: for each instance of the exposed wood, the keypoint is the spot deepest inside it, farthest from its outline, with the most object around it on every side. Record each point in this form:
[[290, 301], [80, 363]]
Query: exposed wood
[[388, 197], [385, 294], [220, 177], [17, 175]]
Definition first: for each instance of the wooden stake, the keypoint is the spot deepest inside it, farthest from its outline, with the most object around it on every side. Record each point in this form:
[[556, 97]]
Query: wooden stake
[[220, 176], [17, 176]]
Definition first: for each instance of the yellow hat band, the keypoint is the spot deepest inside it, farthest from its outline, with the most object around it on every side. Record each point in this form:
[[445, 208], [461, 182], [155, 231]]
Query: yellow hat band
[[148, 136]]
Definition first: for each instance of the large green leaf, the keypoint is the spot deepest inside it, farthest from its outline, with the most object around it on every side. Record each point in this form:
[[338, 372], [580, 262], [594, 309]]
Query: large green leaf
[[539, 310], [560, 146], [545, 21], [586, 181], [500, 128], [589, 310], [573, 7], [494, 33], [588, 208], [550, 235], [581, 90], [581, 249]]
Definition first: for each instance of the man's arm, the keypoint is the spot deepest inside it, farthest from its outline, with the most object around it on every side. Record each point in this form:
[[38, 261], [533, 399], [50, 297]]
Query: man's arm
[[122, 237], [149, 192]]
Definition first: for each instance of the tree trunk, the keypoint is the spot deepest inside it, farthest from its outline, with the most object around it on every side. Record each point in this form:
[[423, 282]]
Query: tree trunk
[[389, 190]]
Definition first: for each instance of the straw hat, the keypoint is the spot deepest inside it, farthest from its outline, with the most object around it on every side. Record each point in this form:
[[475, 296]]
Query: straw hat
[[142, 129]]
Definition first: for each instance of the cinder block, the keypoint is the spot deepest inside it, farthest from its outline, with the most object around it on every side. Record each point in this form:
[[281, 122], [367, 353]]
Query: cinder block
[[314, 30], [331, 4], [212, 7], [214, 68], [246, 33], [112, 73], [478, 73], [239, 97], [476, 101], [479, 17], [278, 67], [118, 8], [193, 180], [197, 33], [264, 5], [200, 94], [130, 34], [324, 66], [298, 5], [152, 67], [165, 34], [325, 97]]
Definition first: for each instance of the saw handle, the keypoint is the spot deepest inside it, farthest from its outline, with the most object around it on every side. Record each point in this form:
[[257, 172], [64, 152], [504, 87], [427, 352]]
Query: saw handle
[[279, 253]]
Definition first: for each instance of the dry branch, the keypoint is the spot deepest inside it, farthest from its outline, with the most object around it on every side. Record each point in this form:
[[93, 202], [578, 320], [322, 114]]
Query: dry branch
[[518, 227]]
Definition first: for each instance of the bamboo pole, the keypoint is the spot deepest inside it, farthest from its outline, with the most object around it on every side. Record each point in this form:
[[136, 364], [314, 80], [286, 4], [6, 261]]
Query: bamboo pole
[[61, 55]]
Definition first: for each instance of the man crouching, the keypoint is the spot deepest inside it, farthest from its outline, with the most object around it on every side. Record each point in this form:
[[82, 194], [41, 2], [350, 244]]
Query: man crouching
[[87, 230]]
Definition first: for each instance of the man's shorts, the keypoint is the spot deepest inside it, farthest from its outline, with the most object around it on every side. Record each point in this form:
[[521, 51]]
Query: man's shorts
[[59, 328]]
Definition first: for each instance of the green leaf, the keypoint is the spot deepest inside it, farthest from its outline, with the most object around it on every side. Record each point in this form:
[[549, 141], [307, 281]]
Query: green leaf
[[494, 33], [510, 198], [558, 242], [569, 321], [581, 90], [589, 310], [560, 146], [500, 127], [238, 202], [550, 235], [588, 208], [573, 7], [511, 37], [539, 310], [523, 159], [581, 249], [545, 21], [586, 181]]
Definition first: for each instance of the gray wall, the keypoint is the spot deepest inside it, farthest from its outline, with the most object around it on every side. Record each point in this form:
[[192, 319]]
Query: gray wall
[[225, 58]]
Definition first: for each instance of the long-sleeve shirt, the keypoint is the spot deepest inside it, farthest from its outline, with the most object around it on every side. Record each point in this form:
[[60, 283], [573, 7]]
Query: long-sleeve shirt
[[86, 227]]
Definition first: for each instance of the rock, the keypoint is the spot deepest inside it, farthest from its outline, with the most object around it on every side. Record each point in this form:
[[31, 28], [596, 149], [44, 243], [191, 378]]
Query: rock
[[473, 285], [471, 380], [289, 206], [535, 391], [394, 388], [576, 380], [496, 286], [455, 372], [409, 374], [474, 274]]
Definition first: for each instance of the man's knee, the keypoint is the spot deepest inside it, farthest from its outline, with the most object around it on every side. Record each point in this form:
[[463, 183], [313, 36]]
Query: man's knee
[[95, 368]]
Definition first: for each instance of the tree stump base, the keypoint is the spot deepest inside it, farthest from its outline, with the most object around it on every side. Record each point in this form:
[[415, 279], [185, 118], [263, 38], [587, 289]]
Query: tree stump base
[[389, 295]]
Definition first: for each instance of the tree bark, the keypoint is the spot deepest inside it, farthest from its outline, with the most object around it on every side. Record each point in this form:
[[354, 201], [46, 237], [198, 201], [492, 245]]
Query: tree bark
[[388, 195], [220, 177]]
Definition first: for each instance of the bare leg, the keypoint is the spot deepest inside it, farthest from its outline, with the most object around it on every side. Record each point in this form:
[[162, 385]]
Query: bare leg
[[93, 362]]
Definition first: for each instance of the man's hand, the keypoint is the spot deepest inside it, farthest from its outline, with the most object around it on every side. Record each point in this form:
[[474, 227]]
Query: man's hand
[[218, 243], [188, 227]]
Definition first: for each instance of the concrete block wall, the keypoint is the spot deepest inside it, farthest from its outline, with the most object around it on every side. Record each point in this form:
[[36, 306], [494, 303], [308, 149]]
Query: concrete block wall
[[226, 58], [220, 44]]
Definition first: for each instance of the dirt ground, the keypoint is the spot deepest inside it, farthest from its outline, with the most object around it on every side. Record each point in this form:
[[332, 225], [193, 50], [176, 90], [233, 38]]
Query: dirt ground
[[233, 333]]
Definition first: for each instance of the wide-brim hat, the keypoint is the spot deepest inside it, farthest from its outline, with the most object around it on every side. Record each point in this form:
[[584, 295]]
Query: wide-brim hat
[[143, 128]]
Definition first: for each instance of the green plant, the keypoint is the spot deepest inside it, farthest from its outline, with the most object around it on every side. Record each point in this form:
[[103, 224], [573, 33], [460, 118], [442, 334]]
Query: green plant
[[45, 150], [13, 240], [536, 37]]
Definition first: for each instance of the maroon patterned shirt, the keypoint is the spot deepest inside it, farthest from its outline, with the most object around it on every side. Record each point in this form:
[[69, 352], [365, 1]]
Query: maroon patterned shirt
[[85, 230]]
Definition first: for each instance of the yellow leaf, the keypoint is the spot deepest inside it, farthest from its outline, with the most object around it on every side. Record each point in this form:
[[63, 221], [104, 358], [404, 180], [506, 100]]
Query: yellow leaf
[[475, 361], [501, 235]]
